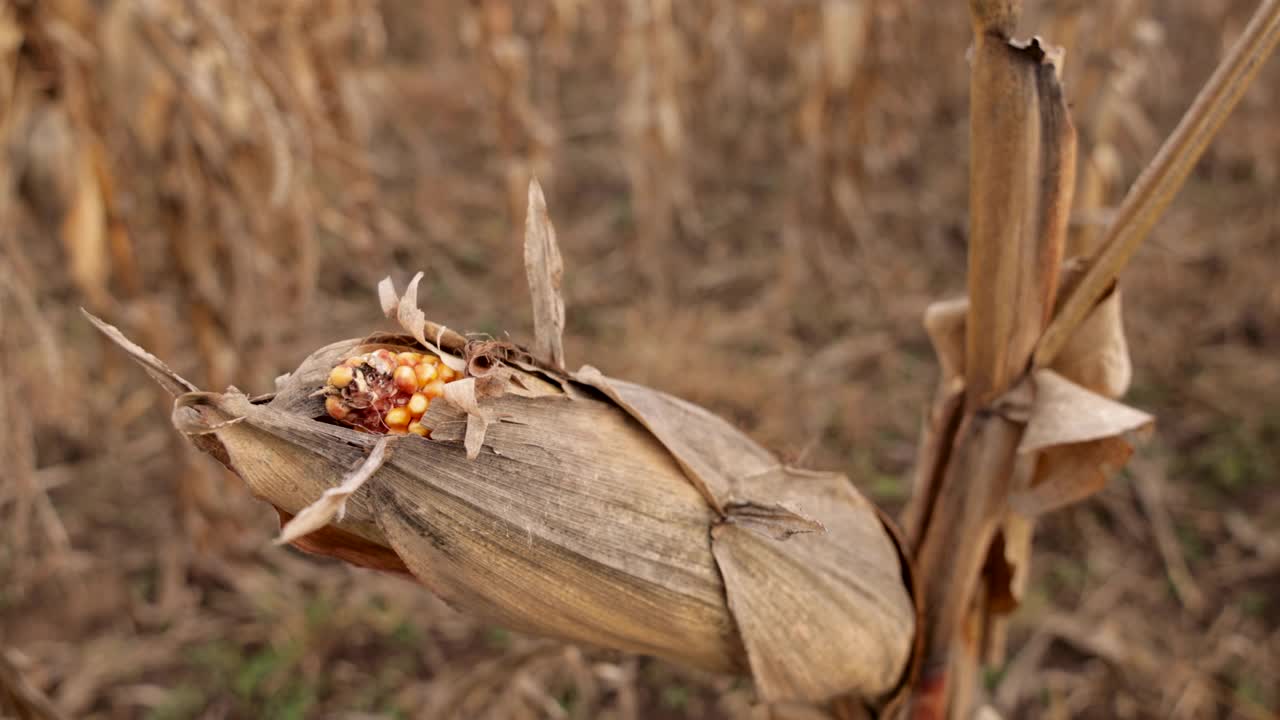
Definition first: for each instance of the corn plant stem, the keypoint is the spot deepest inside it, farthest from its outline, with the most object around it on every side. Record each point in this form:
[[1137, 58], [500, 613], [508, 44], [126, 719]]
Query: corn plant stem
[[1021, 149], [1155, 189]]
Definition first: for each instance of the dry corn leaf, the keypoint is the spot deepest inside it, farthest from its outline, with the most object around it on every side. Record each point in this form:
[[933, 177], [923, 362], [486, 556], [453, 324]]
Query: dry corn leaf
[[545, 270], [804, 640], [1064, 413], [405, 311], [333, 542], [169, 380], [712, 452], [1083, 438], [1009, 555], [332, 504], [1097, 356], [1068, 474], [463, 395], [1007, 568], [945, 323], [938, 430]]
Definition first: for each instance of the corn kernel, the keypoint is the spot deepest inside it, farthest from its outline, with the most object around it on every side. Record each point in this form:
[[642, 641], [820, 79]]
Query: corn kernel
[[434, 389], [408, 358], [447, 373], [417, 428], [397, 417], [342, 376], [335, 407], [418, 404], [406, 380], [425, 373]]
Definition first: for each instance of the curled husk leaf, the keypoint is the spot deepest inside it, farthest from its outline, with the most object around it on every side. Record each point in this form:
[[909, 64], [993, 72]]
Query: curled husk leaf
[[1082, 434], [585, 508]]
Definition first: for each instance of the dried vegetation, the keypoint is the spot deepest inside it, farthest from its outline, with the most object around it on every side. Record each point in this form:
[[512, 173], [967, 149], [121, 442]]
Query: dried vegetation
[[756, 203]]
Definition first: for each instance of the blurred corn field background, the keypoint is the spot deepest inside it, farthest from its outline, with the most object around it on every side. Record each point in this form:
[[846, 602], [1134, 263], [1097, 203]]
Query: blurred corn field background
[[755, 201]]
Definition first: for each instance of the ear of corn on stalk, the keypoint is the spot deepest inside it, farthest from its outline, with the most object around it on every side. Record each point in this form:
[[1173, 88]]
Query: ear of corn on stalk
[[569, 504], [578, 520]]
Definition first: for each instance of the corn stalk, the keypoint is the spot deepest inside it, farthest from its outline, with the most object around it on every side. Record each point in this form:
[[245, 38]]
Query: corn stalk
[[1025, 419]]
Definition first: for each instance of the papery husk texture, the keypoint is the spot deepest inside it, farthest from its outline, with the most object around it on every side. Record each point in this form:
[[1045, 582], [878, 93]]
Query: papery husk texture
[[592, 510]]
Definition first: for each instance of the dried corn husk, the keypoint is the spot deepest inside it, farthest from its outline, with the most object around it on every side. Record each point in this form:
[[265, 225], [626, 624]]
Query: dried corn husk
[[579, 506], [594, 510]]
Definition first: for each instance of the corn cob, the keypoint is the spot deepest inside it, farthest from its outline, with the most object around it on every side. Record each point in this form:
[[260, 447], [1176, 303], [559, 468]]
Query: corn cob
[[570, 505], [386, 392]]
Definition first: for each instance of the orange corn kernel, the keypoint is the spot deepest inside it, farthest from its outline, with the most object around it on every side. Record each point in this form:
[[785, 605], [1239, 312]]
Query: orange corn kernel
[[335, 407], [397, 417]]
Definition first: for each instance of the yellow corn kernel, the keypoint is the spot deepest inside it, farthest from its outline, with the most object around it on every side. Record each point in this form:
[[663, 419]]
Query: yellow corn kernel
[[408, 358], [342, 376], [418, 404], [434, 389], [397, 417], [447, 373], [425, 373], [417, 428], [405, 379]]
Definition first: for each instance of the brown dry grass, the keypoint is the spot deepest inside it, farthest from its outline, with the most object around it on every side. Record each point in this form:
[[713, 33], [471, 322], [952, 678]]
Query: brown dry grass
[[750, 218]]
